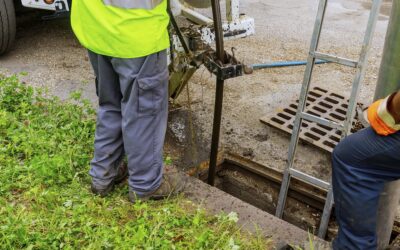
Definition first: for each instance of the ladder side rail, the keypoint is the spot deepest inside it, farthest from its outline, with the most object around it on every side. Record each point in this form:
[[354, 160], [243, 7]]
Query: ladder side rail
[[326, 214], [301, 106], [362, 65], [361, 69]]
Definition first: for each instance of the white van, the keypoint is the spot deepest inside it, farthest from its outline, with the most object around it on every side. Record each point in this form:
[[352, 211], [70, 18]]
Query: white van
[[8, 16]]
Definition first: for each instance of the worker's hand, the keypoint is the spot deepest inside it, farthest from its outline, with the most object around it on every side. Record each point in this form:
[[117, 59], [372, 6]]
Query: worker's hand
[[382, 117], [394, 106]]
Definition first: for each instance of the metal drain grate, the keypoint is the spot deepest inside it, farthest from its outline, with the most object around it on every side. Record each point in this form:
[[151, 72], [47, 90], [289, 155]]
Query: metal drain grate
[[321, 103]]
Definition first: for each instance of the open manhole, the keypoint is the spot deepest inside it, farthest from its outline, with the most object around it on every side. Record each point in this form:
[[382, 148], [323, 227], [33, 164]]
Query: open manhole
[[259, 186]]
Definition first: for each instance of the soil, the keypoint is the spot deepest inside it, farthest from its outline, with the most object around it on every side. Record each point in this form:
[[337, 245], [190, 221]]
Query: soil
[[52, 57]]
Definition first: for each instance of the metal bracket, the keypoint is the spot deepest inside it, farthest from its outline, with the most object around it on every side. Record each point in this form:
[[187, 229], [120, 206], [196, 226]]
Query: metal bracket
[[223, 71]]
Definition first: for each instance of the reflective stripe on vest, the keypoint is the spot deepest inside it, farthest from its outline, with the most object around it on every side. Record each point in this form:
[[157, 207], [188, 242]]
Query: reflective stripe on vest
[[133, 4]]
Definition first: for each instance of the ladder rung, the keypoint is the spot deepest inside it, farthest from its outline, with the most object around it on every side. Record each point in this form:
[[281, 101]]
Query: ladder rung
[[335, 59], [321, 121], [310, 179]]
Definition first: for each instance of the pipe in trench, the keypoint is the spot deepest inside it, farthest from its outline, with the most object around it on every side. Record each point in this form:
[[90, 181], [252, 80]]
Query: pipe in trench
[[389, 82]]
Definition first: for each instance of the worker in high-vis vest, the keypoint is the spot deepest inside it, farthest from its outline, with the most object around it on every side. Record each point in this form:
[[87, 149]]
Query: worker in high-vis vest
[[127, 42], [362, 163]]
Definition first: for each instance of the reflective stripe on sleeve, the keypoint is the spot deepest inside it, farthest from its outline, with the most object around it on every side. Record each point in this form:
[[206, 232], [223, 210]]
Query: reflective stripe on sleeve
[[133, 4], [385, 116]]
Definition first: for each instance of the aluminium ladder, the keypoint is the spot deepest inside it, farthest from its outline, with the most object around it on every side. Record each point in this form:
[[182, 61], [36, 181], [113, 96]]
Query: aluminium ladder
[[302, 114]]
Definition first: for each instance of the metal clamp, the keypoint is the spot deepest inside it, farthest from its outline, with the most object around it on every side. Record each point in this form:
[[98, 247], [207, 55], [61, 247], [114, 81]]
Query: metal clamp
[[232, 69]]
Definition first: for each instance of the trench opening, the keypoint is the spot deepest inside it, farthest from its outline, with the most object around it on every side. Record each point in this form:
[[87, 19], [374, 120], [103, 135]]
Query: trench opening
[[249, 181], [259, 186]]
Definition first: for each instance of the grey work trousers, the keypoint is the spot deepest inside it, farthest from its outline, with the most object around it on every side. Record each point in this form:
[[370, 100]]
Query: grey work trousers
[[131, 119]]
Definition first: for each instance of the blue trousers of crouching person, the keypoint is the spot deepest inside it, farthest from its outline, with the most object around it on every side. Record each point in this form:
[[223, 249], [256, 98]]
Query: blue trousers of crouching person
[[362, 164]]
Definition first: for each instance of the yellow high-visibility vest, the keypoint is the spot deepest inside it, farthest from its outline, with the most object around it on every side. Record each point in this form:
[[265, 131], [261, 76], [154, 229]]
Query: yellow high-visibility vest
[[121, 28]]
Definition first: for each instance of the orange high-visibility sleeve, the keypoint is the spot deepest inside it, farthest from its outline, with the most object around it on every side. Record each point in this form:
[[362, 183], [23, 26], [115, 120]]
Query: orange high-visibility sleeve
[[376, 122]]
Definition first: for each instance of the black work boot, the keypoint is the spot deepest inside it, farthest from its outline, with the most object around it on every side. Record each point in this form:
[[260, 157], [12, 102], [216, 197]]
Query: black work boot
[[103, 191], [172, 184]]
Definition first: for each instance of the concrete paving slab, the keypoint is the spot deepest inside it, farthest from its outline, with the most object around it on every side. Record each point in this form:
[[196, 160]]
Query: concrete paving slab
[[250, 217]]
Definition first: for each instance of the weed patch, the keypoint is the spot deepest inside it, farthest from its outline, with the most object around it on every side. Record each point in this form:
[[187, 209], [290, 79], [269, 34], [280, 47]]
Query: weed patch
[[45, 150]]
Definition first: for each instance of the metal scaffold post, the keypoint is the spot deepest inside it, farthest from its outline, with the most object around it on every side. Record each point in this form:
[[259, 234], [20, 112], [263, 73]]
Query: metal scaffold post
[[389, 82]]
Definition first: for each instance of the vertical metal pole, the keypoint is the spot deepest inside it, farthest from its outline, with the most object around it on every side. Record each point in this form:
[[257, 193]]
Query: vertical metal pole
[[219, 36], [389, 73], [219, 94], [389, 82]]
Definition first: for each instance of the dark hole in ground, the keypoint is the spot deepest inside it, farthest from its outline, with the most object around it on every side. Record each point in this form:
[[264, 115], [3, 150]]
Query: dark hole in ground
[[251, 182], [259, 186]]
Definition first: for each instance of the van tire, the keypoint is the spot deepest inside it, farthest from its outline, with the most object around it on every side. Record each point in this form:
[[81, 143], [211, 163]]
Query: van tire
[[7, 25]]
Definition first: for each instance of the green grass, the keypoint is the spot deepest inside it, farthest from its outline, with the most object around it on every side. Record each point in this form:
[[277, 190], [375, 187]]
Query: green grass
[[45, 203]]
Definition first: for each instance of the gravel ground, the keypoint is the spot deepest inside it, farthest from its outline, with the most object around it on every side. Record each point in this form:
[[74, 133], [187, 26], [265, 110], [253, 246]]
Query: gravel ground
[[51, 57], [283, 32]]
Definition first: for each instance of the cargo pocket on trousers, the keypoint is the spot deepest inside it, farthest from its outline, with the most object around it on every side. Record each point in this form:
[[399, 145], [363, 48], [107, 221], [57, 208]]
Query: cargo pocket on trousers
[[150, 96]]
